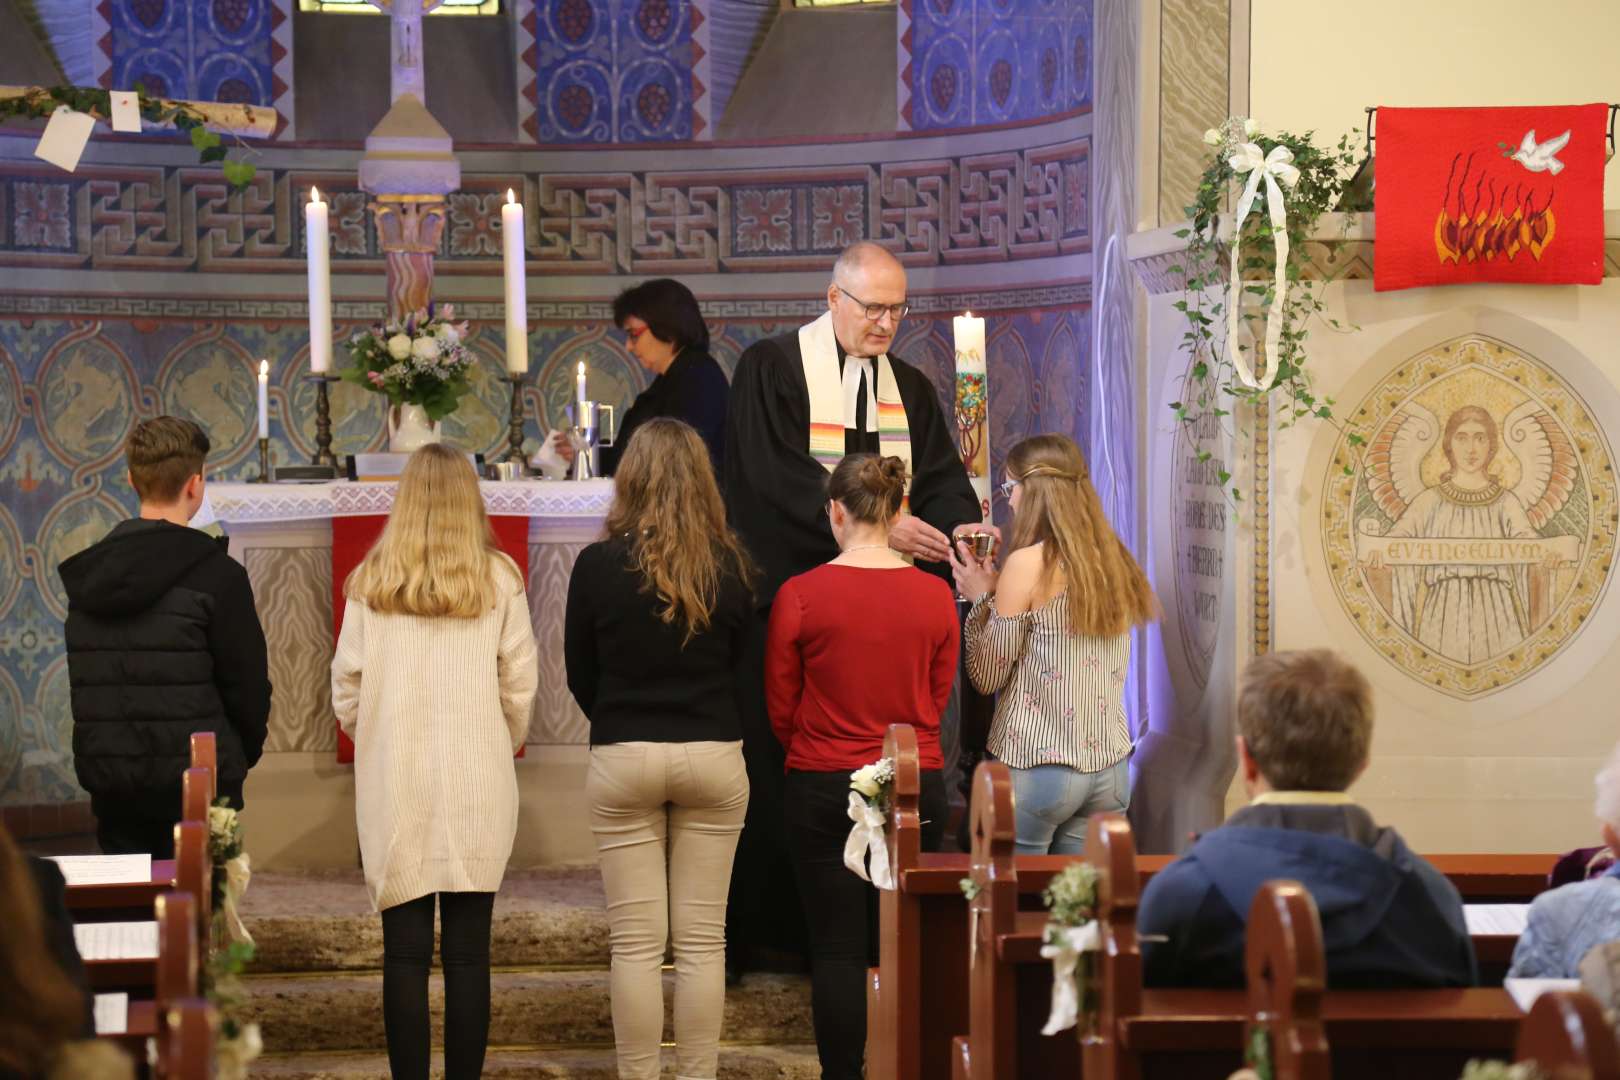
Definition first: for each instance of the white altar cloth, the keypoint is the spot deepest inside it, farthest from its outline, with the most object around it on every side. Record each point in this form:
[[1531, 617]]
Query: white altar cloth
[[264, 503]]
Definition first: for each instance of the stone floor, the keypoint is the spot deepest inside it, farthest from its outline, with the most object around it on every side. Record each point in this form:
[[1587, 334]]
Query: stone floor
[[316, 986]]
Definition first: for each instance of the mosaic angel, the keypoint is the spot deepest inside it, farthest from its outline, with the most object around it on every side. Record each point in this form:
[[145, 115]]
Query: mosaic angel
[[1468, 611]]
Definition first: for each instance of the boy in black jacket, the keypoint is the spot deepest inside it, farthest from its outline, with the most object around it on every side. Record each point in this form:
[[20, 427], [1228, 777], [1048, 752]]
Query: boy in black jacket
[[162, 640]]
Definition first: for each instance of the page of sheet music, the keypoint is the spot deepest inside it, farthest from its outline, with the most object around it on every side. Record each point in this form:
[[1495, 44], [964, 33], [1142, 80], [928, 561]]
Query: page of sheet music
[[112, 1014], [104, 869], [1525, 991], [1496, 920], [117, 940]]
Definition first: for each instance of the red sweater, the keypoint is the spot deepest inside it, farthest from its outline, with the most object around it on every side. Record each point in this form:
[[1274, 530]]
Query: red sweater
[[852, 650]]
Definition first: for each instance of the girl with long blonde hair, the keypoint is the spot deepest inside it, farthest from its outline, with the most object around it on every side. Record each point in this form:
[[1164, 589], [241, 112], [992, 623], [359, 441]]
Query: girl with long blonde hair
[[1051, 634], [652, 637], [434, 680]]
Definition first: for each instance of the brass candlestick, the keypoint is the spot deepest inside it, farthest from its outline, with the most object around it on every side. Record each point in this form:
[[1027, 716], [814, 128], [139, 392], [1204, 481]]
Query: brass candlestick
[[323, 421], [514, 430], [264, 462]]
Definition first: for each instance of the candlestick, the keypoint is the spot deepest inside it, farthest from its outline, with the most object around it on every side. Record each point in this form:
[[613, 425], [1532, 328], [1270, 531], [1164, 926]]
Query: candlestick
[[318, 241], [579, 383], [514, 430], [517, 318], [264, 461], [323, 422], [264, 399]]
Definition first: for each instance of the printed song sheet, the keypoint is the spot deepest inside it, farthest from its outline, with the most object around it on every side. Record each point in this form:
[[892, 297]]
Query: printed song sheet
[[117, 940], [1496, 920], [104, 869], [112, 1014]]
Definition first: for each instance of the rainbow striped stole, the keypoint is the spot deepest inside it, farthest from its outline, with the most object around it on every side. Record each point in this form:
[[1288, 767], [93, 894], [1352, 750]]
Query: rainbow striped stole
[[818, 347]]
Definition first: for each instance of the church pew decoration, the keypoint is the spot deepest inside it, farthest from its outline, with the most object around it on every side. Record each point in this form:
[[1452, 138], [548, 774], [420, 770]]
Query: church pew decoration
[[870, 789], [1071, 939], [420, 364], [1502, 1070], [1242, 272], [201, 121], [1490, 194], [239, 1041]]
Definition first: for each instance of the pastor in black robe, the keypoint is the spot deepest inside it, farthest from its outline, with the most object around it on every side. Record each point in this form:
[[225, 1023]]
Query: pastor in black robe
[[776, 496]]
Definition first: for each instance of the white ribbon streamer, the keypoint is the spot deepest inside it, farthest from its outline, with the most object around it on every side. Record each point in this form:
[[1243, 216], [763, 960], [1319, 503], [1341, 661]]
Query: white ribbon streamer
[[237, 875], [867, 836], [1064, 953], [1275, 168]]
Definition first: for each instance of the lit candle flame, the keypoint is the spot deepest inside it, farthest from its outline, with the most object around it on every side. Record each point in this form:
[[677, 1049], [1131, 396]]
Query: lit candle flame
[[264, 369], [314, 194], [510, 198], [970, 314], [581, 369]]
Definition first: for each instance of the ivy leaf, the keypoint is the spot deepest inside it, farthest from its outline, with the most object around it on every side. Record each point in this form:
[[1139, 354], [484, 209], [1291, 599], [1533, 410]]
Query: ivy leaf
[[1200, 370], [238, 174], [1222, 477], [212, 153], [1355, 440], [204, 139]]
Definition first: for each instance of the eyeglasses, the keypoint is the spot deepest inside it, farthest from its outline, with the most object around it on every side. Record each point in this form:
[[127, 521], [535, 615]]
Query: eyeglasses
[[633, 336], [1007, 486], [877, 311]]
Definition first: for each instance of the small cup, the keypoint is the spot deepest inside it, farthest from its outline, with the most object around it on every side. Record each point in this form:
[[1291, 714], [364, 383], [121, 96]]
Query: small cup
[[982, 544]]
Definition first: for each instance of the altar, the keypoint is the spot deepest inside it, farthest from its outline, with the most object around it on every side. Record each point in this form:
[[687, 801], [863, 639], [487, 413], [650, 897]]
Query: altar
[[300, 800]]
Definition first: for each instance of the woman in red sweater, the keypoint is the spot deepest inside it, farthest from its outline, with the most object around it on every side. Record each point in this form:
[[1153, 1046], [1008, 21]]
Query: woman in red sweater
[[860, 643]]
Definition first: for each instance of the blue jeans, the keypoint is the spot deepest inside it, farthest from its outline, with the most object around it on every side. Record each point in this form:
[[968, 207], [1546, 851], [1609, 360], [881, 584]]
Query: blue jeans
[[1053, 803]]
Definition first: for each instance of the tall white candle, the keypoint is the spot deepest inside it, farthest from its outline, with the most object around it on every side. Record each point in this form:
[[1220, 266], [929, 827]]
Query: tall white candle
[[264, 399], [517, 319], [318, 241], [579, 383], [969, 334]]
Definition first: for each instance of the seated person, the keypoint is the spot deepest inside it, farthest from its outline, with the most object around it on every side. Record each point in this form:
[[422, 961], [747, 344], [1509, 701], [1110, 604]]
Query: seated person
[[1389, 919], [1568, 921]]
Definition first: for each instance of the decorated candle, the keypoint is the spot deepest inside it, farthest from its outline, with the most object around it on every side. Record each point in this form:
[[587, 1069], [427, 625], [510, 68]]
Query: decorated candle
[[318, 240], [264, 399], [972, 405], [517, 320]]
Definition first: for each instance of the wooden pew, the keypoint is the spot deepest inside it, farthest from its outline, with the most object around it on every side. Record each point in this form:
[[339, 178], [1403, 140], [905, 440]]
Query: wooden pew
[[177, 972], [193, 876], [1566, 1037], [1286, 968], [916, 997], [185, 1047]]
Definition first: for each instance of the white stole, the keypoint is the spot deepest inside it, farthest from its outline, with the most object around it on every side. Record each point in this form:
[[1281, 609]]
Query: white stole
[[818, 348]]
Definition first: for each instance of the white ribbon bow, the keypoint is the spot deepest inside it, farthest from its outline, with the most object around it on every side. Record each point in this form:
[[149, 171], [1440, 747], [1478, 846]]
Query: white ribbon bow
[[1274, 168], [867, 835], [237, 875], [1064, 953]]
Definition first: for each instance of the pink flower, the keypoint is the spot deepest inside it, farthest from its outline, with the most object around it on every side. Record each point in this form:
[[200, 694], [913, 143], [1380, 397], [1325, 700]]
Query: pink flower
[[376, 378]]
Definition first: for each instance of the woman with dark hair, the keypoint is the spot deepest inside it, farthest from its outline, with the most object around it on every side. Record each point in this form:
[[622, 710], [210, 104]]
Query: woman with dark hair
[[664, 330], [855, 645]]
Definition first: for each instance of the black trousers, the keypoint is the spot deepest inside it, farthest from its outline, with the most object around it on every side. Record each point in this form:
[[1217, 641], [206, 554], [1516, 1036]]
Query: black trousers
[[118, 834], [842, 910], [464, 919]]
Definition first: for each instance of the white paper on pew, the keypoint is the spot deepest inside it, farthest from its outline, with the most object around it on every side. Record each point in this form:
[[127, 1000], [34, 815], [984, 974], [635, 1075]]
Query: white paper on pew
[[1496, 920], [1525, 991], [117, 940], [112, 1014], [104, 869]]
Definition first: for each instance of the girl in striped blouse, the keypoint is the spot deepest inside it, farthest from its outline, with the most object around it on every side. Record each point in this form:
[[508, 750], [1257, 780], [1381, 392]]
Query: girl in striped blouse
[[1051, 635]]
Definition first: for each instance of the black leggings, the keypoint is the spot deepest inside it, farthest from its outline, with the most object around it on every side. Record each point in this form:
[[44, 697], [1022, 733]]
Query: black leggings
[[841, 908], [464, 919]]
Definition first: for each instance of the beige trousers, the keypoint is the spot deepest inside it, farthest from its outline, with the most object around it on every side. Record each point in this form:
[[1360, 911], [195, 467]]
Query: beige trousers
[[666, 818]]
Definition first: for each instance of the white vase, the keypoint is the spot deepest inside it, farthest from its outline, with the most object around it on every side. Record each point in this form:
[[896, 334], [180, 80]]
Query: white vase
[[409, 428]]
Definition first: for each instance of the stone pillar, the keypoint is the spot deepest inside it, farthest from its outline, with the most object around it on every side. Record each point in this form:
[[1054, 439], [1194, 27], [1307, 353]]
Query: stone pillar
[[409, 168], [409, 227]]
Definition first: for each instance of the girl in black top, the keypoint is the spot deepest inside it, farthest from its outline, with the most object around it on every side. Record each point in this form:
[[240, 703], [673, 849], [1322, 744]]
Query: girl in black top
[[652, 633], [664, 330]]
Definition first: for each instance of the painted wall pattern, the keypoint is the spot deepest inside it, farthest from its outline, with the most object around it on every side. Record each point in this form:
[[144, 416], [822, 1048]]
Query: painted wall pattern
[[1477, 531], [71, 389], [237, 51], [994, 207], [968, 63]]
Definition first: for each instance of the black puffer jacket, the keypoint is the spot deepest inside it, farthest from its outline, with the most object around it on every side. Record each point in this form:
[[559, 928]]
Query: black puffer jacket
[[162, 640]]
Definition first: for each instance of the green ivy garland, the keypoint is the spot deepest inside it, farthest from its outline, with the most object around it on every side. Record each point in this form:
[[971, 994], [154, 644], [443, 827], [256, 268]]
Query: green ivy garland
[[1210, 387], [41, 103]]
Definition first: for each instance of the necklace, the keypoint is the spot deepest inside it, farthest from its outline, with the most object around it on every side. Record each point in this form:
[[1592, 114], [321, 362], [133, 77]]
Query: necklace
[[865, 547]]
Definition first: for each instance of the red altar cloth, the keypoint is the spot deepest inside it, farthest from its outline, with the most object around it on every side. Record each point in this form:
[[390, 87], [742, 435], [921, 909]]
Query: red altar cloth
[[352, 537]]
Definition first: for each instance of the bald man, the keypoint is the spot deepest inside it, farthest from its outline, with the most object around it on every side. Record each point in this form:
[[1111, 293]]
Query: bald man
[[799, 403]]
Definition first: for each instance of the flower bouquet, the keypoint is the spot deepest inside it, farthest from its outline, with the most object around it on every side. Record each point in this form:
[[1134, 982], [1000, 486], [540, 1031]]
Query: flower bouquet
[[239, 1042], [871, 788], [1071, 934], [421, 364]]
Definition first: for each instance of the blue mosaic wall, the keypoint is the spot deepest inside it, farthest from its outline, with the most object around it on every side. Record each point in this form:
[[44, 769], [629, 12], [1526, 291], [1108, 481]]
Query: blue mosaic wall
[[207, 50], [70, 390], [968, 63], [612, 71]]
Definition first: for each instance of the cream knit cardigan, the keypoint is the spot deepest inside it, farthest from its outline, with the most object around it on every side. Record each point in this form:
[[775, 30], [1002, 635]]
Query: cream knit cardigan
[[436, 708]]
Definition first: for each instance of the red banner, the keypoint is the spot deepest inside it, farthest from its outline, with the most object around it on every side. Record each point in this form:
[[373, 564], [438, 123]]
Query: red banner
[[352, 537], [1504, 195]]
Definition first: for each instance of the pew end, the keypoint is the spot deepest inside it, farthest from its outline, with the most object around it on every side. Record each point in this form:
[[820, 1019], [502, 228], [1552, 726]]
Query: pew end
[[185, 1042], [1286, 967], [1566, 1037], [205, 755]]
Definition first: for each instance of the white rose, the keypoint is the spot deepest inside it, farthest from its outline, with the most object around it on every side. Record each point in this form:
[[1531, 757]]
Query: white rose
[[865, 781], [399, 347], [449, 334], [221, 819], [1251, 127], [1213, 137], [425, 348]]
